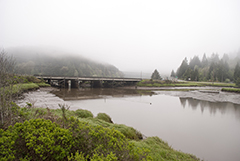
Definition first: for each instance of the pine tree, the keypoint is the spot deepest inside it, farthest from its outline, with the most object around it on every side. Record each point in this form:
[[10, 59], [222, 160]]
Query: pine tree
[[156, 75], [236, 75], [183, 68], [204, 61]]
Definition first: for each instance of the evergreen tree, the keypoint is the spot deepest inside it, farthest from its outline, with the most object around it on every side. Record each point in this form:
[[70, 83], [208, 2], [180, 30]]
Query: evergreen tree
[[183, 68], [214, 58], [156, 75], [188, 74], [195, 62], [236, 75], [204, 61]]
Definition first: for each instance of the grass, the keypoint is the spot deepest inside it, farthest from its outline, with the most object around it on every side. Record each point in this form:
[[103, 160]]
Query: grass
[[235, 90], [43, 84], [21, 87], [158, 83]]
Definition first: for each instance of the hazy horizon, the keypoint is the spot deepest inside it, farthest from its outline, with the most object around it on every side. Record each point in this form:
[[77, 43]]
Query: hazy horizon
[[136, 36]]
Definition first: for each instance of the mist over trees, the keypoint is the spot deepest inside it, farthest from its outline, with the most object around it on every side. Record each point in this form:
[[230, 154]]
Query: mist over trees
[[32, 62], [211, 68]]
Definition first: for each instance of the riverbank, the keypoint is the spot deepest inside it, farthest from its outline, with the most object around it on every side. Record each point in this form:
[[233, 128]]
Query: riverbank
[[234, 90], [168, 83], [156, 148], [124, 98], [102, 132]]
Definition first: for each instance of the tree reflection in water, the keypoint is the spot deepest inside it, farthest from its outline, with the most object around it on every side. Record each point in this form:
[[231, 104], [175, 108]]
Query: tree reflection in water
[[212, 107]]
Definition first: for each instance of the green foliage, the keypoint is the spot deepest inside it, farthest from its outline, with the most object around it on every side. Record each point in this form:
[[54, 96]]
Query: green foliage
[[182, 69], [238, 82], [19, 88], [146, 83], [83, 113], [35, 139], [127, 131], [156, 75], [32, 79], [64, 108], [160, 150], [43, 84], [235, 90], [104, 117], [236, 72], [78, 139], [209, 69], [227, 80], [41, 139]]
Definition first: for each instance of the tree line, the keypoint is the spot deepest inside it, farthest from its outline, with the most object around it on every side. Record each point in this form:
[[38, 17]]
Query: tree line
[[210, 68], [37, 62]]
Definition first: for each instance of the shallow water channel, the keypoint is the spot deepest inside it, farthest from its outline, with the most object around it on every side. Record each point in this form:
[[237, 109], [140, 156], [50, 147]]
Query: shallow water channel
[[206, 125]]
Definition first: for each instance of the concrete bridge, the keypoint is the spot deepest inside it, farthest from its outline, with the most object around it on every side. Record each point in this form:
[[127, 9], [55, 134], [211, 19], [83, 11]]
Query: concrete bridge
[[95, 82]]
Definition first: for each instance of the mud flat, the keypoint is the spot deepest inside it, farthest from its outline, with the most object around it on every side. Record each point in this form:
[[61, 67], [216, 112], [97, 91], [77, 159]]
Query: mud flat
[[211, 95], [41, 98]]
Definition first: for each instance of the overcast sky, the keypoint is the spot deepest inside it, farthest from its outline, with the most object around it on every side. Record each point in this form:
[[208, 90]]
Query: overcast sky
[[132, 35]]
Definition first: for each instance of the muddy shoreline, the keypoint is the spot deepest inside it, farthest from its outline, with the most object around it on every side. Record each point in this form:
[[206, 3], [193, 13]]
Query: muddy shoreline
[[46, 97]]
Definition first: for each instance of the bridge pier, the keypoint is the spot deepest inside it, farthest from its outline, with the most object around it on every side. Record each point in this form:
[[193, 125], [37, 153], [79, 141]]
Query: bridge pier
[[74, 84], [96, 84]]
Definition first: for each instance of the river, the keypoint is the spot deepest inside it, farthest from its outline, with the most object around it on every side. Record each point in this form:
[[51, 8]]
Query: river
[[204, 124]]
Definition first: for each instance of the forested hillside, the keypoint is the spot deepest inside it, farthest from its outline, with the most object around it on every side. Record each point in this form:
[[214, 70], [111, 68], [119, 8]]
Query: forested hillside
[[39, 62], [212, 68]]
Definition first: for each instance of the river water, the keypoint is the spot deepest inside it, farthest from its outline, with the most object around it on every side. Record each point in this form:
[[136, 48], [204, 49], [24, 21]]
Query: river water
[[204, 124]]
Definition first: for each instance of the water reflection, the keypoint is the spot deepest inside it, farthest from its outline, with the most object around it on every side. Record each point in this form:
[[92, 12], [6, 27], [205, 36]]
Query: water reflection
[[93, 93], [212, 107]]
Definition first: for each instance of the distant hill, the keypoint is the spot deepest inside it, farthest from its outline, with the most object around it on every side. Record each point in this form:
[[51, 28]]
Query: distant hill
[[35, 61]]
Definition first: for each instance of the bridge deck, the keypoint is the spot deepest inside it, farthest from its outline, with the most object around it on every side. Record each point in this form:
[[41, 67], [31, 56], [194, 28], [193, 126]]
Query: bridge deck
[[91, 78]]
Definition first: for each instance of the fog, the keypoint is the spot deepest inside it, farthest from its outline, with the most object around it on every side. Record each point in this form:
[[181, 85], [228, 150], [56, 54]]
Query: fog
[[135, 36]]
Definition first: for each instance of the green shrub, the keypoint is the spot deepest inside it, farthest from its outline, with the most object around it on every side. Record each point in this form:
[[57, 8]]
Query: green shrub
[[40, 139], [32, 79], [160, 150], [42, 84], [100, 141], [37, 139], [127, 131], [81, 113], [104, 117], [227, 80]]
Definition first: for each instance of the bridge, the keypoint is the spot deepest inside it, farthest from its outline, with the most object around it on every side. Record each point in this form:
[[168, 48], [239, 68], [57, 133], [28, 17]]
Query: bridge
[[95, 82]]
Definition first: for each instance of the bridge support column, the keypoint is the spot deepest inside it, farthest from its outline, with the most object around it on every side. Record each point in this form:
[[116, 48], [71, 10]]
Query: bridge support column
[[69, 84], [97, 84], [74, 84]]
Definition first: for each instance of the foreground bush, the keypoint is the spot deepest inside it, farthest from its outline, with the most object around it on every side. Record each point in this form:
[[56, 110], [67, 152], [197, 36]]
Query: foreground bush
[[40, 139], [128, 132], [104, 117]]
